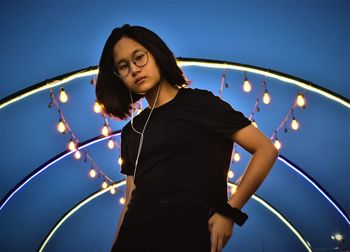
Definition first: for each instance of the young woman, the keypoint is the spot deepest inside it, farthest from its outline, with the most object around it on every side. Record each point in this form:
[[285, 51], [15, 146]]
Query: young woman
[[176, 152]]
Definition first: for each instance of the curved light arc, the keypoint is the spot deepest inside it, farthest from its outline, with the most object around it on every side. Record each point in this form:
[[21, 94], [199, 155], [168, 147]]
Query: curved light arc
[[120, 183], [270, 74], [182, 62], [75, 209], [47, 164], [317, 186]]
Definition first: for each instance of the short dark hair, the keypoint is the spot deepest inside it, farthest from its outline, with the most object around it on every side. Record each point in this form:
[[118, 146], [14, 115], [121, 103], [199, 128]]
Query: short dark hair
[[111, 92]]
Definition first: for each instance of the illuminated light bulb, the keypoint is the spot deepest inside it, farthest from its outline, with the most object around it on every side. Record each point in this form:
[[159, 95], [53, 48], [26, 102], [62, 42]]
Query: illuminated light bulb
[[92, 173], [63, 95], [266, 98], [247, 87], [255, 124], [122, 200], [139, 110], [300, 100], [278, 144], [105, 130], [120, 161], [338, 237], [72, 146], [236, 157], [77, 155], [104, 185], [112, 191], [295, 124], [61, 127], [230, 174], [111, 144], [97, 107], [233, 190]]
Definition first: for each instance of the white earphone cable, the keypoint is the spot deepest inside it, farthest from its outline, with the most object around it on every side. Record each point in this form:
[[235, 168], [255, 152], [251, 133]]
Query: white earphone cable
[[140, 133]]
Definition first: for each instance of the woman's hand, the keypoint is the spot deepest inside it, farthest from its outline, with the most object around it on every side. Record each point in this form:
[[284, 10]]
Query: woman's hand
[[220, 228]]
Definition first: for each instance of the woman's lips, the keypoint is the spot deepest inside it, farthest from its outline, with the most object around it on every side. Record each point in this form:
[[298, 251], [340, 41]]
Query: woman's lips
[[139, 80]]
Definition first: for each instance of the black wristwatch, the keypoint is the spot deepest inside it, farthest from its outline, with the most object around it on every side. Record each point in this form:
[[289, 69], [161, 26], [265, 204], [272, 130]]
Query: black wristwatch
[[234, 213]]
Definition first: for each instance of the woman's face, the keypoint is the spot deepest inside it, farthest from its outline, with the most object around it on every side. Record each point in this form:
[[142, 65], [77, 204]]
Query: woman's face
[[135, 66]]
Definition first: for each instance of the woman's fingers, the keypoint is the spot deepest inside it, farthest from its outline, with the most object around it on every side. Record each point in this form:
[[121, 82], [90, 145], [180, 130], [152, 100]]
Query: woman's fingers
[[220, 241], [214, 243]]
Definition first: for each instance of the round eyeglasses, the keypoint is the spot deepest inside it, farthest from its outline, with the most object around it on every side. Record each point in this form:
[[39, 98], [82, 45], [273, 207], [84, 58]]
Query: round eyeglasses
[[139, 59]]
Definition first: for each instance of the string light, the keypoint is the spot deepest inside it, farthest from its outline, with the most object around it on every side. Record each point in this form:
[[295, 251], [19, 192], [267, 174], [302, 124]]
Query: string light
[[295, 124], [230, 174], [120, 161], [233, 189], [73, 143], [72, 146], [111, 144], [300, 100], [337, 237], [266, 97], [77, 155], [97, 107], [122, 200], [255, 124], [61, 127], [247, 87], [112, 191], [104, 185], [105, 130], [278, 144], [63, 95], [236, 157], [92, 173]]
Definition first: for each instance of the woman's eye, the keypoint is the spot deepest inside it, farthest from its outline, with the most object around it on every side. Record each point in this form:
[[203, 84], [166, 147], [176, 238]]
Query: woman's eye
[[122, 66], [139, 57]]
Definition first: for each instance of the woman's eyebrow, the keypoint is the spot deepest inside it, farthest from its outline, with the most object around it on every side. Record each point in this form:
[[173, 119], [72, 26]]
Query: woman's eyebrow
[[121, 60]]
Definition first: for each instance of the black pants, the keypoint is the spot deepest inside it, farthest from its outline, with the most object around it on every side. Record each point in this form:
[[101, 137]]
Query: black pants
[[164, 227]]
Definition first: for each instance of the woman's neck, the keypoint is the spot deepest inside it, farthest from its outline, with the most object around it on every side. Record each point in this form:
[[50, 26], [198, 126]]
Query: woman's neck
[[166, 93]]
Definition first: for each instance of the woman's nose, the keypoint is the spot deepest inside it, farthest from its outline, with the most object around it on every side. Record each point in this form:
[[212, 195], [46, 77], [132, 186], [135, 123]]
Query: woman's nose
[[134, 69]]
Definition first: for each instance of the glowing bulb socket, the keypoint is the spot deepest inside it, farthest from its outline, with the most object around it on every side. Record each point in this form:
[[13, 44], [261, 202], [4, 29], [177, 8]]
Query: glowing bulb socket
[[111, 144], [61, 127], [92, 173], [295, 124], [266, 98], [278, 144], [72, 146], [230, 174], [247, 87], [120, 161], [300, 100], [97, 107], [122, 201], [104, 185], [63, 95], [236, 157], [105, 130], [77, 155]]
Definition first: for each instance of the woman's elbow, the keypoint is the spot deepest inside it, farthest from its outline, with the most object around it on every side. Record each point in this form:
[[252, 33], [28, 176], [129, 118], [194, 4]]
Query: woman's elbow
[[270, 151]]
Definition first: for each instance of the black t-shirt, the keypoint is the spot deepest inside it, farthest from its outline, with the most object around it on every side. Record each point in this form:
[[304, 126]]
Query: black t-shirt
[[186, 151]]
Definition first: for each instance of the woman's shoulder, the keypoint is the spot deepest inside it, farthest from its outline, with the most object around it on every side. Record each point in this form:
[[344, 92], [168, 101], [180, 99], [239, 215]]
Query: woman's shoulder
[[197, 93]]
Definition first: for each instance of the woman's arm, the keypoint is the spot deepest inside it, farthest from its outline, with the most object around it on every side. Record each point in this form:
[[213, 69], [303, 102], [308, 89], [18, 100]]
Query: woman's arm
[[264, 155], [129, 182]]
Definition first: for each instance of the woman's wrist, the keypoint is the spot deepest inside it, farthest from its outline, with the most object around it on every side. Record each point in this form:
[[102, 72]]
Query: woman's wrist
[[235, 214]]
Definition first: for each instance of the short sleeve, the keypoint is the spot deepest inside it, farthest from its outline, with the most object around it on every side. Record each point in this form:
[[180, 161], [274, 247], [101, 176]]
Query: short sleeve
[[126, 166], [219, 116]]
